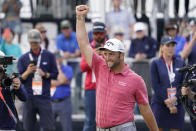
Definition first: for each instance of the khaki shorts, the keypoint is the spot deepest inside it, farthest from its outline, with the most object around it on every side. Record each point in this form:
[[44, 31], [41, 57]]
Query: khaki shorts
[[129, 126]]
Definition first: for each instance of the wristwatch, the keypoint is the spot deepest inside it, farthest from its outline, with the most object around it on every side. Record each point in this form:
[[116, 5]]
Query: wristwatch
[[46, 75]]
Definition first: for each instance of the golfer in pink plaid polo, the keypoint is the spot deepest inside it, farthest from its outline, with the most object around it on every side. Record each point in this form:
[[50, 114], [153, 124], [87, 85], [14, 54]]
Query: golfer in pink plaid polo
[[118, 88]]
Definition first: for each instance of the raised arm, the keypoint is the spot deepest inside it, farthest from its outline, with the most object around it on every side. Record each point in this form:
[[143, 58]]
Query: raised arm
[[187, 49], [82, 36]]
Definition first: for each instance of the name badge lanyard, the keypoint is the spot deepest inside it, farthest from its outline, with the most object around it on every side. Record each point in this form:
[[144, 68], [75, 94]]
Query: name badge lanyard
[[170, 73], [37, 80], [39, 58]]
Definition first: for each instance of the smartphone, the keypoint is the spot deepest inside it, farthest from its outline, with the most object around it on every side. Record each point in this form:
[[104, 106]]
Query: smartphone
[[33, 62]]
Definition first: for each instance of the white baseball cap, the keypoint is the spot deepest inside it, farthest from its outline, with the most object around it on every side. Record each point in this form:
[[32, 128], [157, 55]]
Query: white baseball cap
[[139, 26], [113, 45]]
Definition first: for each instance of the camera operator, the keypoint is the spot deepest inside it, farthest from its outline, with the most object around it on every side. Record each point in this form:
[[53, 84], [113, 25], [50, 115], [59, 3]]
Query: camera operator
[[8, 113]]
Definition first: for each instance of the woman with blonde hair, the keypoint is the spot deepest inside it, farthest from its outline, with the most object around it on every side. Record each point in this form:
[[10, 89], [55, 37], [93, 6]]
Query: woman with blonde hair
[[166, 83]]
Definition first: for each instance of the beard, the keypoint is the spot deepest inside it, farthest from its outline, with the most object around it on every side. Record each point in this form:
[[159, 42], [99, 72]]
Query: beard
[[100, 40], [112, 64]]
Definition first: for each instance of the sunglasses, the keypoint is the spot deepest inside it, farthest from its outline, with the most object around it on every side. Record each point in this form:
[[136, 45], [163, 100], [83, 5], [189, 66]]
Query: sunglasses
[[65, 28], [99, 33], [43, 32], [170, 44], [120, 34]]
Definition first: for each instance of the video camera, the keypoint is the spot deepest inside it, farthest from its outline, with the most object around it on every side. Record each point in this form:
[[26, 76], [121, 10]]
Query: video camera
[[6, 80]]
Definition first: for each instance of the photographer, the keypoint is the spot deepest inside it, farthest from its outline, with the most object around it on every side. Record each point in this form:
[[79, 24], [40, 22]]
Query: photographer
[[8, 113]]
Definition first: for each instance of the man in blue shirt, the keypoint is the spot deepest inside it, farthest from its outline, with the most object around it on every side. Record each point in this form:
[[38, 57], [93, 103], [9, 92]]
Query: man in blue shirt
[[142, 47], [67, 43], [37, 67], [61, 95]]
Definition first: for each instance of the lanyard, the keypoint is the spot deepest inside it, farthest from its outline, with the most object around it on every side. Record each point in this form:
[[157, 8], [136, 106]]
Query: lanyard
[[171, 73], [9, 110], [39, 58]]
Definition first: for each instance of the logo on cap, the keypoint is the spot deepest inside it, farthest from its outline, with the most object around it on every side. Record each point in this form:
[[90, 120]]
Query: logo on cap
[[109, 43]]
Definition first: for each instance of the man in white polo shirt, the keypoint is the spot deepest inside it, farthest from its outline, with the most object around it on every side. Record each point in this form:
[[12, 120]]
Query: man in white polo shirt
[[117, 87]]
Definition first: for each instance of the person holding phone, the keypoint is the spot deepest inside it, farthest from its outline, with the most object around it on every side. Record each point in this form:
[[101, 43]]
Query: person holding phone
[[37, 67]]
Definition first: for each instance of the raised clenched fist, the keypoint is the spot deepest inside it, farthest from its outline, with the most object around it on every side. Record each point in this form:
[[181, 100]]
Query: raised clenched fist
[[82, 10]]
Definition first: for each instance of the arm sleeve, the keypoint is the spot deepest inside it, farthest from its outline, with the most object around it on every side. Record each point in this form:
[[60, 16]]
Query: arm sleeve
[[141, 92], [131, 50], [21, 94], [68, 72], [54, 71], [84, 66], [21, 68], [58, 42], [77, 46], [153, 49], [158, 88], [180, 47]]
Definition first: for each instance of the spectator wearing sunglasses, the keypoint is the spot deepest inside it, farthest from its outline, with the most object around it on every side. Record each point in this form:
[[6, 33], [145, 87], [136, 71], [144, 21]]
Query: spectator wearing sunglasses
[[99, 34], [45, 44]]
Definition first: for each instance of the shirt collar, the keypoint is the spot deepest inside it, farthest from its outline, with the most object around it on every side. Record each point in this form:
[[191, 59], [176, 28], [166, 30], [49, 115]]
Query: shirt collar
[[35, 53], [125, 70]]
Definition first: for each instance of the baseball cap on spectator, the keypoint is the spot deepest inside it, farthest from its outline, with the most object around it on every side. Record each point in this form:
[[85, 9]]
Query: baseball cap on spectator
[[34, 35], [114, 45], [98, 27], [139, 26], [118, 31], [167, 39], [65, 24]]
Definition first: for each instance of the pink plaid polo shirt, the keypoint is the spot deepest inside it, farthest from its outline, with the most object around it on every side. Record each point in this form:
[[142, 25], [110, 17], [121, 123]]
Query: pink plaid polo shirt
[[116, 94]]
